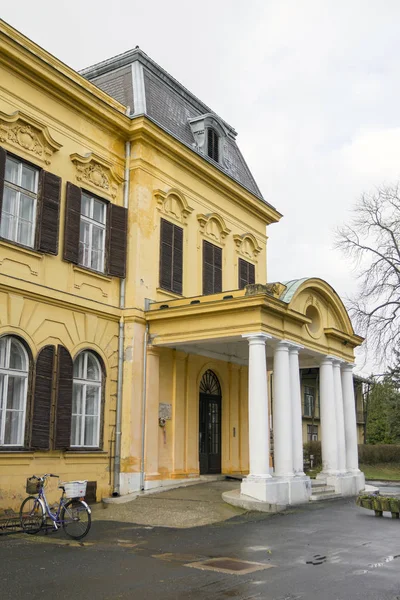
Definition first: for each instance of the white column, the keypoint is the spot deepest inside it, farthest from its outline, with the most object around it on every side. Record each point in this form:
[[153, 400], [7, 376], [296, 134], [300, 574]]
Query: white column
[[328, 417], [297, 424], [282, 413], [341, 442], [258, 407], [350, 424]]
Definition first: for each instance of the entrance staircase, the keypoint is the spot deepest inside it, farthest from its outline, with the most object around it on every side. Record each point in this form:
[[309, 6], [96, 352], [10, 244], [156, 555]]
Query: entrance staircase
[[322, 491]]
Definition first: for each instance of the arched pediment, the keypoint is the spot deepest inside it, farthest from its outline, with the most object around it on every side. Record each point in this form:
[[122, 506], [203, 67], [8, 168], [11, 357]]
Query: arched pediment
[[213, 226], [247, 245], [173, 204], [316, 299], [97, 173]]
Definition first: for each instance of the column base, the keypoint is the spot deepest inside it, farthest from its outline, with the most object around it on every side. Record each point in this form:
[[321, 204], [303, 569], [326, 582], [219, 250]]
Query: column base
[[281, 491], [345, 484]]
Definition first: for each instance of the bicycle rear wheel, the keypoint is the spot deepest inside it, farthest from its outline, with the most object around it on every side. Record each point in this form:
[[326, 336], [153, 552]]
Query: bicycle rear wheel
[[76, 519], [31, 515]]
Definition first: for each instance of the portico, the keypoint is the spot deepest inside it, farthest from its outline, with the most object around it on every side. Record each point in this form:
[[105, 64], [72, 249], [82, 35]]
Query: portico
[[270, 332]]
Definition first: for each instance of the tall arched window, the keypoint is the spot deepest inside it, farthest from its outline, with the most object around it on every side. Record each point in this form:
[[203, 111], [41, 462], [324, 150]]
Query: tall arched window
[[14, 368], [212, 144], [86, 401]]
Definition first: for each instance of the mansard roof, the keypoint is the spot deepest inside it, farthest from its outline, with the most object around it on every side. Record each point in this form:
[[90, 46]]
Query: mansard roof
[[141, 85]]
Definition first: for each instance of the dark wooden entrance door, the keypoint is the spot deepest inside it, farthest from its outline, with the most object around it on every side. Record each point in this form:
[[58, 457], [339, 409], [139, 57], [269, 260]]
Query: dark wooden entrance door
[[210, 424]]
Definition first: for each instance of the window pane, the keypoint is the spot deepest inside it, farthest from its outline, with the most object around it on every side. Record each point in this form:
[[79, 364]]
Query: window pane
[[84, 247], [26, 208], [24, 233], [11, 170], [17, 357], [85, 205], [28, 179], [97, 238], [90, 431], [79, 366], [15, 393], [92, 400], [99, 211], [8, 213], [3, 352], [76, 431], [13, 434], [93, 368], [77, 399]]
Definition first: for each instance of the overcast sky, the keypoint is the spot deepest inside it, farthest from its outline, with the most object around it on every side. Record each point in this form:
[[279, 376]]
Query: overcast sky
[[311, 86]]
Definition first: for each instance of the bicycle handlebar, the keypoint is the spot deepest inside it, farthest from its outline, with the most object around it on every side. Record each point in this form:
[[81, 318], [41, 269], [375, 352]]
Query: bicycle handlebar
[[44, 476]]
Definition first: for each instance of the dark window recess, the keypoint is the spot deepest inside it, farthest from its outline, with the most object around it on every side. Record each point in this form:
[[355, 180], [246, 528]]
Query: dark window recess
[[47, 209], [246, 273], [171, 257], [91, 492], [63, 399], [212, 268], [212, 144], [42, 399], [116, 236]]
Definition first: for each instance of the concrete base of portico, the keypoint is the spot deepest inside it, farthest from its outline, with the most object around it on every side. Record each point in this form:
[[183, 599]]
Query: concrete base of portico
[[345, 484], [280, 491], [236, 498]]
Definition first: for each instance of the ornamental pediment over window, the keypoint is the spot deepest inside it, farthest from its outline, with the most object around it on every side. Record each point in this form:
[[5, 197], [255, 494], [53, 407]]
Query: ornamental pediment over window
[[173, 204], [24, 132], [97, 173], [247, 245], [213, 227]]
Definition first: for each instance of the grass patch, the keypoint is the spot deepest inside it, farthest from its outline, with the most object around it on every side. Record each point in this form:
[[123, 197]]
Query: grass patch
[[386, 472]]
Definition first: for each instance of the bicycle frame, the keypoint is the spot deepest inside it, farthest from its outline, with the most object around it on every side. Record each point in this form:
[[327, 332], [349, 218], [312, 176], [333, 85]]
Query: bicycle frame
[[55, 517]]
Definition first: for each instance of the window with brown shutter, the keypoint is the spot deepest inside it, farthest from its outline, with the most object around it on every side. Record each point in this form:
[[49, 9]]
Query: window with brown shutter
[[95, 234], [42, 399], [63, 408], [171, 257], [246, 273], [212, 268], [29, 204]]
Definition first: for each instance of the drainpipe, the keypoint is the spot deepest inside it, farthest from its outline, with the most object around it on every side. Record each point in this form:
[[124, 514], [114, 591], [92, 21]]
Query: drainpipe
[[118, 418], [144, 397]]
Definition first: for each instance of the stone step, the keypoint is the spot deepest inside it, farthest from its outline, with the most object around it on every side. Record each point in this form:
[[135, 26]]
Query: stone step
[[324, 496], [322, 488]]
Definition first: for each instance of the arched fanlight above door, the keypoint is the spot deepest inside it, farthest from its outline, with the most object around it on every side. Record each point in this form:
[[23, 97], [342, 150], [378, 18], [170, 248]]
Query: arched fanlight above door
[[209, 384]]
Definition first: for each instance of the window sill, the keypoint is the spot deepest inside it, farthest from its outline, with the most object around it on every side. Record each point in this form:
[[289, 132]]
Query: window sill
[[85, 451], [86, 271], [169, 293], [21, 248]]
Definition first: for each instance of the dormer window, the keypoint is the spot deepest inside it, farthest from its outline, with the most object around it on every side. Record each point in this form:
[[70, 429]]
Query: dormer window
[[209, 133], [212, 144]]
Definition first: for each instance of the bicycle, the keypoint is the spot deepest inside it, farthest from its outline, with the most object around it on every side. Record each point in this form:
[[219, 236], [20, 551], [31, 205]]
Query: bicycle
[[73, 513]]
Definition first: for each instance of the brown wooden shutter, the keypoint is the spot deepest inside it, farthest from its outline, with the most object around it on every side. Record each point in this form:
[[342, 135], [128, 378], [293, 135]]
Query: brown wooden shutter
[[3, 156], [72, 223], [117, 236], [246, 273], [208, 269], [48, 213], [63, 399], [166, 252], [42, 399], [217, 269], [177, 261]]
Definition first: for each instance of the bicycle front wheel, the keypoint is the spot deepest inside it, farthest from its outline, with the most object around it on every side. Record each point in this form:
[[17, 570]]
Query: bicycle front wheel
[[76, 519], [31, 515]]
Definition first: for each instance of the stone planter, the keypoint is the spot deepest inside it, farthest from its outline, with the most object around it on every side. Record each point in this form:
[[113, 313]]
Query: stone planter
[[379, 504]]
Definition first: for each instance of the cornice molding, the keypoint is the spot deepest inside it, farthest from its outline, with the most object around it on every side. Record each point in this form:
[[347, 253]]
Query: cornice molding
[[98, 173], [23, 131]]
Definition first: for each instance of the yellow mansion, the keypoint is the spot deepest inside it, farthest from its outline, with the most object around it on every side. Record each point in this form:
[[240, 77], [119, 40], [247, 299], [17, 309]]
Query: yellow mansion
[[136, 325]]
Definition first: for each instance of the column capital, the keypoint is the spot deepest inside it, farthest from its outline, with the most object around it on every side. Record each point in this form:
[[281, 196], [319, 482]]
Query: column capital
[[256, 338], [348, 367], [294, 348], [328, 359], [337, 362]]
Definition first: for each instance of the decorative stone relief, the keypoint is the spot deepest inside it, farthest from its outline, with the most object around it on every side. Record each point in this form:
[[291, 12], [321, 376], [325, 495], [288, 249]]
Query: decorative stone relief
[[97, 173], [213, 226], [23, 131], [247, 245], [173, 204]]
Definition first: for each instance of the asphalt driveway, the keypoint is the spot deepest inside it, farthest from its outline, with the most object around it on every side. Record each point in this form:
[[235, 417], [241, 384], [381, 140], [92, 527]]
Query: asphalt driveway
[[324, 551]]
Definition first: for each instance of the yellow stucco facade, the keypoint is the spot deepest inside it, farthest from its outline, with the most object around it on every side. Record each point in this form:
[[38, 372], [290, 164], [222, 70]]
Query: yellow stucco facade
[[54, 119]]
